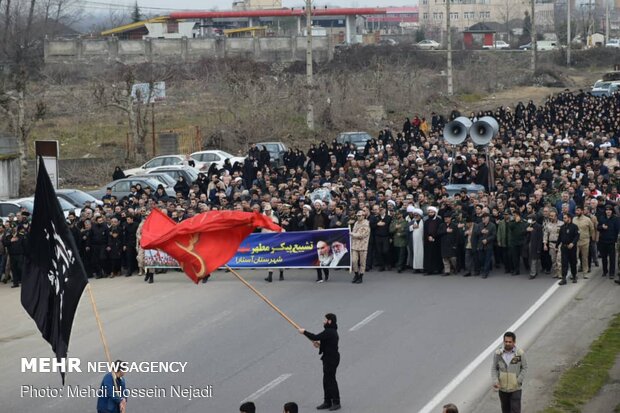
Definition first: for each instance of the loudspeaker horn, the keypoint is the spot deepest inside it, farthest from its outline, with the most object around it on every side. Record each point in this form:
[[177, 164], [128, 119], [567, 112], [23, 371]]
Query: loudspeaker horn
[[483, 130], [455, 132]]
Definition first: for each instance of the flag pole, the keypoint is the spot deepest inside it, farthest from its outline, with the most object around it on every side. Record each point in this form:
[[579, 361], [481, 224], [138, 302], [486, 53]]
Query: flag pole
[[103, 340], [262, 297], [101, 334]]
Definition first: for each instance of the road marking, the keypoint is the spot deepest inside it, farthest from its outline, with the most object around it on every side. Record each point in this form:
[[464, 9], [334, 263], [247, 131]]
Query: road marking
[[258, 393], [366, 320], [431, 406]]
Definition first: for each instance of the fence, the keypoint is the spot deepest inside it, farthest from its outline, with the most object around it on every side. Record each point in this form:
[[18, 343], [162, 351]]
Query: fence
[[171, 142]]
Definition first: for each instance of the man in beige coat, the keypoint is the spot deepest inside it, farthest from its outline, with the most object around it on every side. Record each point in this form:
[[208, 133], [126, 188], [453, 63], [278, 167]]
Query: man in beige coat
[[360, 236], [587, 232]]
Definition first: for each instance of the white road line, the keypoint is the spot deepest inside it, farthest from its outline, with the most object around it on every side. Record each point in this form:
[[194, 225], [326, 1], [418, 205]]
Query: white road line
[[366, 320], [431, 406], [258, 393]]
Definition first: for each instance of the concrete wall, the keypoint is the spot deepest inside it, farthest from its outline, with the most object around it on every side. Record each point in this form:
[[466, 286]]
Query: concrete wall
[[266, 49]]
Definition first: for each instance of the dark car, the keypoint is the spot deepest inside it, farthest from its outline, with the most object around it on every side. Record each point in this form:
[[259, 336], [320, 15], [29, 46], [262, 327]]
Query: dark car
[[276, 152], [358, 139], [121, 187]]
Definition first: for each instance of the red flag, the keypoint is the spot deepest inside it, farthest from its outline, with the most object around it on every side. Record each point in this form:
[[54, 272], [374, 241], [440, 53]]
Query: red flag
[[202, 243]]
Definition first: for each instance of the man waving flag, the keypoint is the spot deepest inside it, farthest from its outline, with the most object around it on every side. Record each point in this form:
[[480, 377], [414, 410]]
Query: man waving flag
[[54, 275]]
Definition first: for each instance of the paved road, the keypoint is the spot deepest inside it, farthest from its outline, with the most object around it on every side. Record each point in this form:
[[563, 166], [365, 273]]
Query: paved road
[[425, 330]]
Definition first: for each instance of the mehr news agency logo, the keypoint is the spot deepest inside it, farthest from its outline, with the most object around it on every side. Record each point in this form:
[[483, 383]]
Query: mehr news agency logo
[[74, 365]]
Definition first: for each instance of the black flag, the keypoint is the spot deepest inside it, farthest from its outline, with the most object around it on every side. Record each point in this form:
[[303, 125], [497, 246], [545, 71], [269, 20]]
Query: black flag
[[54, 276]]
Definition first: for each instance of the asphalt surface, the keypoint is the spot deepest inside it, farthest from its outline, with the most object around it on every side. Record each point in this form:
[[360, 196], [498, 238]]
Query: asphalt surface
[[419, 333]]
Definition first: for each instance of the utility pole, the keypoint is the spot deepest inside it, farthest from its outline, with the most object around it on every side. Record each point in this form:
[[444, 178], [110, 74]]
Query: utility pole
[[309, 81], [533, 36], [569, 37], [448, 33], [606, 21]]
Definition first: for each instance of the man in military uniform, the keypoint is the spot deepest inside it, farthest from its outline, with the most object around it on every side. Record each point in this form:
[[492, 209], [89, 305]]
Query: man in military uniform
[[551, 231], [586, 234]]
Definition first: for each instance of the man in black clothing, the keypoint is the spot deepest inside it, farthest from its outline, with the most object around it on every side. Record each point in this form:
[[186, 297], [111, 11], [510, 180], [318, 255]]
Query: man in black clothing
[[568, 238], [327, 342], [130, 230]]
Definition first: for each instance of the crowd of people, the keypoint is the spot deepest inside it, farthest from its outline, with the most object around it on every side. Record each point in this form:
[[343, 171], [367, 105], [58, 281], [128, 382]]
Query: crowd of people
[[549, 204]]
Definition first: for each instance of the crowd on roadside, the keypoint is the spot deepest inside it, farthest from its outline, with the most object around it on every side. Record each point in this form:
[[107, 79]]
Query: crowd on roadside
[[549, 165]]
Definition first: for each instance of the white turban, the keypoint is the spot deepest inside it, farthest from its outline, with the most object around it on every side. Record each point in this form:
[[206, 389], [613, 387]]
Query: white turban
[[417, 211], [391, 202], [411, 209], [432, 208]]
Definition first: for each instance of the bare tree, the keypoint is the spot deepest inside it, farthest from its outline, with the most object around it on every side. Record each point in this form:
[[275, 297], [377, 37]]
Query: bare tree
[[23, 108]]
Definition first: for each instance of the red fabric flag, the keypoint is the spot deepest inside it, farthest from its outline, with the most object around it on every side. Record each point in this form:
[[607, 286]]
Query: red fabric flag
[[202, 243]]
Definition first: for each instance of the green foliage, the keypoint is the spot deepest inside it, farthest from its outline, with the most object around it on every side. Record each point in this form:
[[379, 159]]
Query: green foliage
[[136, 15], [581, 383]]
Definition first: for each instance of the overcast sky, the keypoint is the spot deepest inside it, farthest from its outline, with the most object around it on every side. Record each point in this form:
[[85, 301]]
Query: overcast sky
[[227, 4]]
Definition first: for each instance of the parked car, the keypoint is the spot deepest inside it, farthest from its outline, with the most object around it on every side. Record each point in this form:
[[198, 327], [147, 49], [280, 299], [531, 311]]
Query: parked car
[[541, 45], [121, 187], [215, 156], [359, 139], [174, 171], [163, 177], [15, 205], [613, 43], [499, 44], [428, 45], [602, 88], [276, 152], [165, 160], [387, 42], [76, 197]]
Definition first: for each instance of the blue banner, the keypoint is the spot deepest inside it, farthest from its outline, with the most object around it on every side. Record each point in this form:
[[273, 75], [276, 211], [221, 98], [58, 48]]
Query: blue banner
[[330, 248]]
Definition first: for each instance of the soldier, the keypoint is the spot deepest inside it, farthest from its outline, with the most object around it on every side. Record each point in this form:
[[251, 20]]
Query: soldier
[[399, 231], [551, 232], [586, 234], [360, 236], [517, 230]]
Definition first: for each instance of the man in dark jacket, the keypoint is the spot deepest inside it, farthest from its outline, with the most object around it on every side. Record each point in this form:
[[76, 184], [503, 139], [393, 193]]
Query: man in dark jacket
[[485, 239], [535, 231], [15, 243], [517, 230], [567, 240], [327, 342], [98, 243], [380, 228], [432, 243], [129, 244], [448, 233], [608, 227]]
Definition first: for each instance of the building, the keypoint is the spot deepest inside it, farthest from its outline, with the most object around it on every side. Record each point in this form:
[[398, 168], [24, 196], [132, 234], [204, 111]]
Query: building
[[396, 17], [466, 13], [256, 4]]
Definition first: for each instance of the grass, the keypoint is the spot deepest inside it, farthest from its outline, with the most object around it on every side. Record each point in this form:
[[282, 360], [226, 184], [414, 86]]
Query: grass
[[470, 97], [582, 382]]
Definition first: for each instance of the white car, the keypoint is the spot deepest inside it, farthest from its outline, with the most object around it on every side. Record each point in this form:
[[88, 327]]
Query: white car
[[613, 43], [165, 160], [428, 45], [206, 158], [499, 44]]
